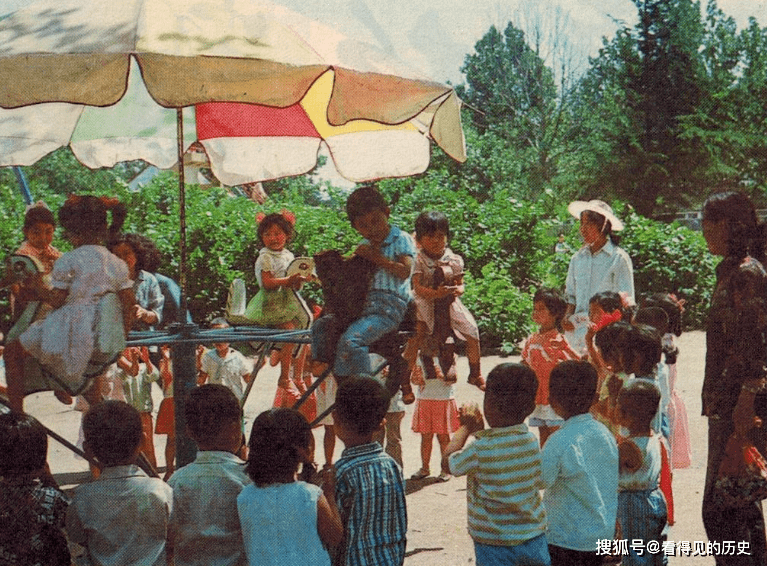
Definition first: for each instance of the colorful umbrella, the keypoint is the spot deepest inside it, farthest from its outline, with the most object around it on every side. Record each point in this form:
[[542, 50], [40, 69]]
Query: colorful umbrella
[[106, 84]]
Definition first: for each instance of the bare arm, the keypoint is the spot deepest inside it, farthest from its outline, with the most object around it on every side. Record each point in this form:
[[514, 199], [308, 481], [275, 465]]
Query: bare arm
[[400, 268], [271, 282]]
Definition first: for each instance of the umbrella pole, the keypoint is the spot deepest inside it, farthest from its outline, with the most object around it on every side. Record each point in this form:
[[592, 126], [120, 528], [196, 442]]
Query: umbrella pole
[[182, 353]]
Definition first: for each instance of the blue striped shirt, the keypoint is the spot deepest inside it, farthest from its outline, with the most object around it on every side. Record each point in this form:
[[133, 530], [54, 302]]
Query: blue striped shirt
[[396, 244], [504, 478], [370, 494]]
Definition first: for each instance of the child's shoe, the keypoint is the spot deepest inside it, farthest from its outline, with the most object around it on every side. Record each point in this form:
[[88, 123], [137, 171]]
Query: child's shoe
[[63, 396], [408, 397], [420, 474], [443, 477]]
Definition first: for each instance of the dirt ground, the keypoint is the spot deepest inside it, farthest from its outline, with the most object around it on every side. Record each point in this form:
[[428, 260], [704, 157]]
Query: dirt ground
[[437, 511]]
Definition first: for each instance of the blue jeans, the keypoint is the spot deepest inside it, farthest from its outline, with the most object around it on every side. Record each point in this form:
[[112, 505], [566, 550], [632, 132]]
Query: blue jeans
[[383, 313], [534, 552]]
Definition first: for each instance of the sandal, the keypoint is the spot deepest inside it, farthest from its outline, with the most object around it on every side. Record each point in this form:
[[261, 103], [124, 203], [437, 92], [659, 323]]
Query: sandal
[[478, 381], [420, 474], [443, 477]]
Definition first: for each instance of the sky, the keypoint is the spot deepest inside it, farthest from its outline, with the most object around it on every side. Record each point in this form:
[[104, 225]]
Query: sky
[[434, 36]]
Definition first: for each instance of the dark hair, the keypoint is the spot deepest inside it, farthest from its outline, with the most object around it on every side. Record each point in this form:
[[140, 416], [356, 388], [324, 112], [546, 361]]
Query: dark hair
[[746, 235], [511, 389], [671, 306], [276, 438], [113, 431], [574, 386], [208, 409], [23, 444], [643, 350], [364, 200], [275, 219], [655, 317], [362, 403], [430, 222], [86, 215], [555, 302], [639, 400], [147, 254], [610, 301], [611, 340], [38, 214]]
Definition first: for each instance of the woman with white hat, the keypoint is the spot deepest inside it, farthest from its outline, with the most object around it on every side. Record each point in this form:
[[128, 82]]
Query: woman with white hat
[[600, 265]]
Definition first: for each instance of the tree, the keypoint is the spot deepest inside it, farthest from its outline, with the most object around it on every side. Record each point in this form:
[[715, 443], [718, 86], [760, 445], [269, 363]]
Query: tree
[[518, 107], [640, 88]]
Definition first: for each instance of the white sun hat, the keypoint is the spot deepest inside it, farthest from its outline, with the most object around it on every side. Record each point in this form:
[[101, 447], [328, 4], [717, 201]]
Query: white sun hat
[[600, 207]]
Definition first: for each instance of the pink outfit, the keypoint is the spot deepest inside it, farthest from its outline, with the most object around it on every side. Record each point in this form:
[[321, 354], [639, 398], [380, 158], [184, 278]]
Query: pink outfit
[[543, 351], [435, 409], [681, 448]]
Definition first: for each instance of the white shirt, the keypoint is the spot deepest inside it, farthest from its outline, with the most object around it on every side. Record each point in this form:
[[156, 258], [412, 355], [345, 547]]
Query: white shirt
[[610, 269], [205, 528], [580, 470], [228, 370], [121, 519]]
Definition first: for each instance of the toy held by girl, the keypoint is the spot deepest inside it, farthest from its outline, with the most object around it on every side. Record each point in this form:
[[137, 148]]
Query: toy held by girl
[[542, 351], [93, 306], [277, 303], [438, 284], [679, 439], [642, 512], [285, 522]]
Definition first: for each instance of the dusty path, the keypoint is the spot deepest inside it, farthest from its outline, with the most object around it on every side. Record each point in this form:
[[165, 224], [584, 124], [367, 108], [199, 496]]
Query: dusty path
[[437, 511]]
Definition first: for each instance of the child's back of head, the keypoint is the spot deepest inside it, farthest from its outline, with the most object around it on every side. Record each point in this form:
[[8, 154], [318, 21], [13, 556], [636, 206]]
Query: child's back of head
[[23, 445], [213, 416], [653, 316], [361, 404], [643, 350], [113, 432], [363, 201], [279, 441], [672, 306], [573, 387], [509, 394], [638, 402]]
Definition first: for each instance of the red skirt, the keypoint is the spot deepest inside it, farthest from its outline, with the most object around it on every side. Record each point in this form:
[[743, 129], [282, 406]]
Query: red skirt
[[435, 416], [166, 418]]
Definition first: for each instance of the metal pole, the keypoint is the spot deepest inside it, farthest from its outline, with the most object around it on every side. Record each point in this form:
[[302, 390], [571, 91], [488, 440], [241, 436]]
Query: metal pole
[[23, 185]]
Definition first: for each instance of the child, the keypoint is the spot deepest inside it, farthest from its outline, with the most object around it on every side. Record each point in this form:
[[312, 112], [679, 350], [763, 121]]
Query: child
[[224, 365], [506, 516], [580, 470], [132, 249], [440, 311], [608, 357], [370, 490], [641, 504], [32, 509], [166, 417], [277, 304], [681, 448], [39, 227], [136, 374], [392, 251], [435, 413], [285, 522], [122, 517], [389, 436], [542, 351], [300, 381], [204, 528], [82, 328]]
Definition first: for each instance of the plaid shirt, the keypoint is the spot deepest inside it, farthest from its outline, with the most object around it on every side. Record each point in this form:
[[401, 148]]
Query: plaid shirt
[[32, 524], [370, 493]]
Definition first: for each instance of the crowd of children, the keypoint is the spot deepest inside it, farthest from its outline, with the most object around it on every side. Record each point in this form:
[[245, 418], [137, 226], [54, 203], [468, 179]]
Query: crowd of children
[[611, 425]]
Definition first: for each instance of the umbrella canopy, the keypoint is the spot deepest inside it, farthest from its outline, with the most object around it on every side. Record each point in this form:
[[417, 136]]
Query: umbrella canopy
[[264, 87]]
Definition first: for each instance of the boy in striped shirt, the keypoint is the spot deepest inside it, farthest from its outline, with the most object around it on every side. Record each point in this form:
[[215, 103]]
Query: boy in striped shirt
[[507, 520]]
